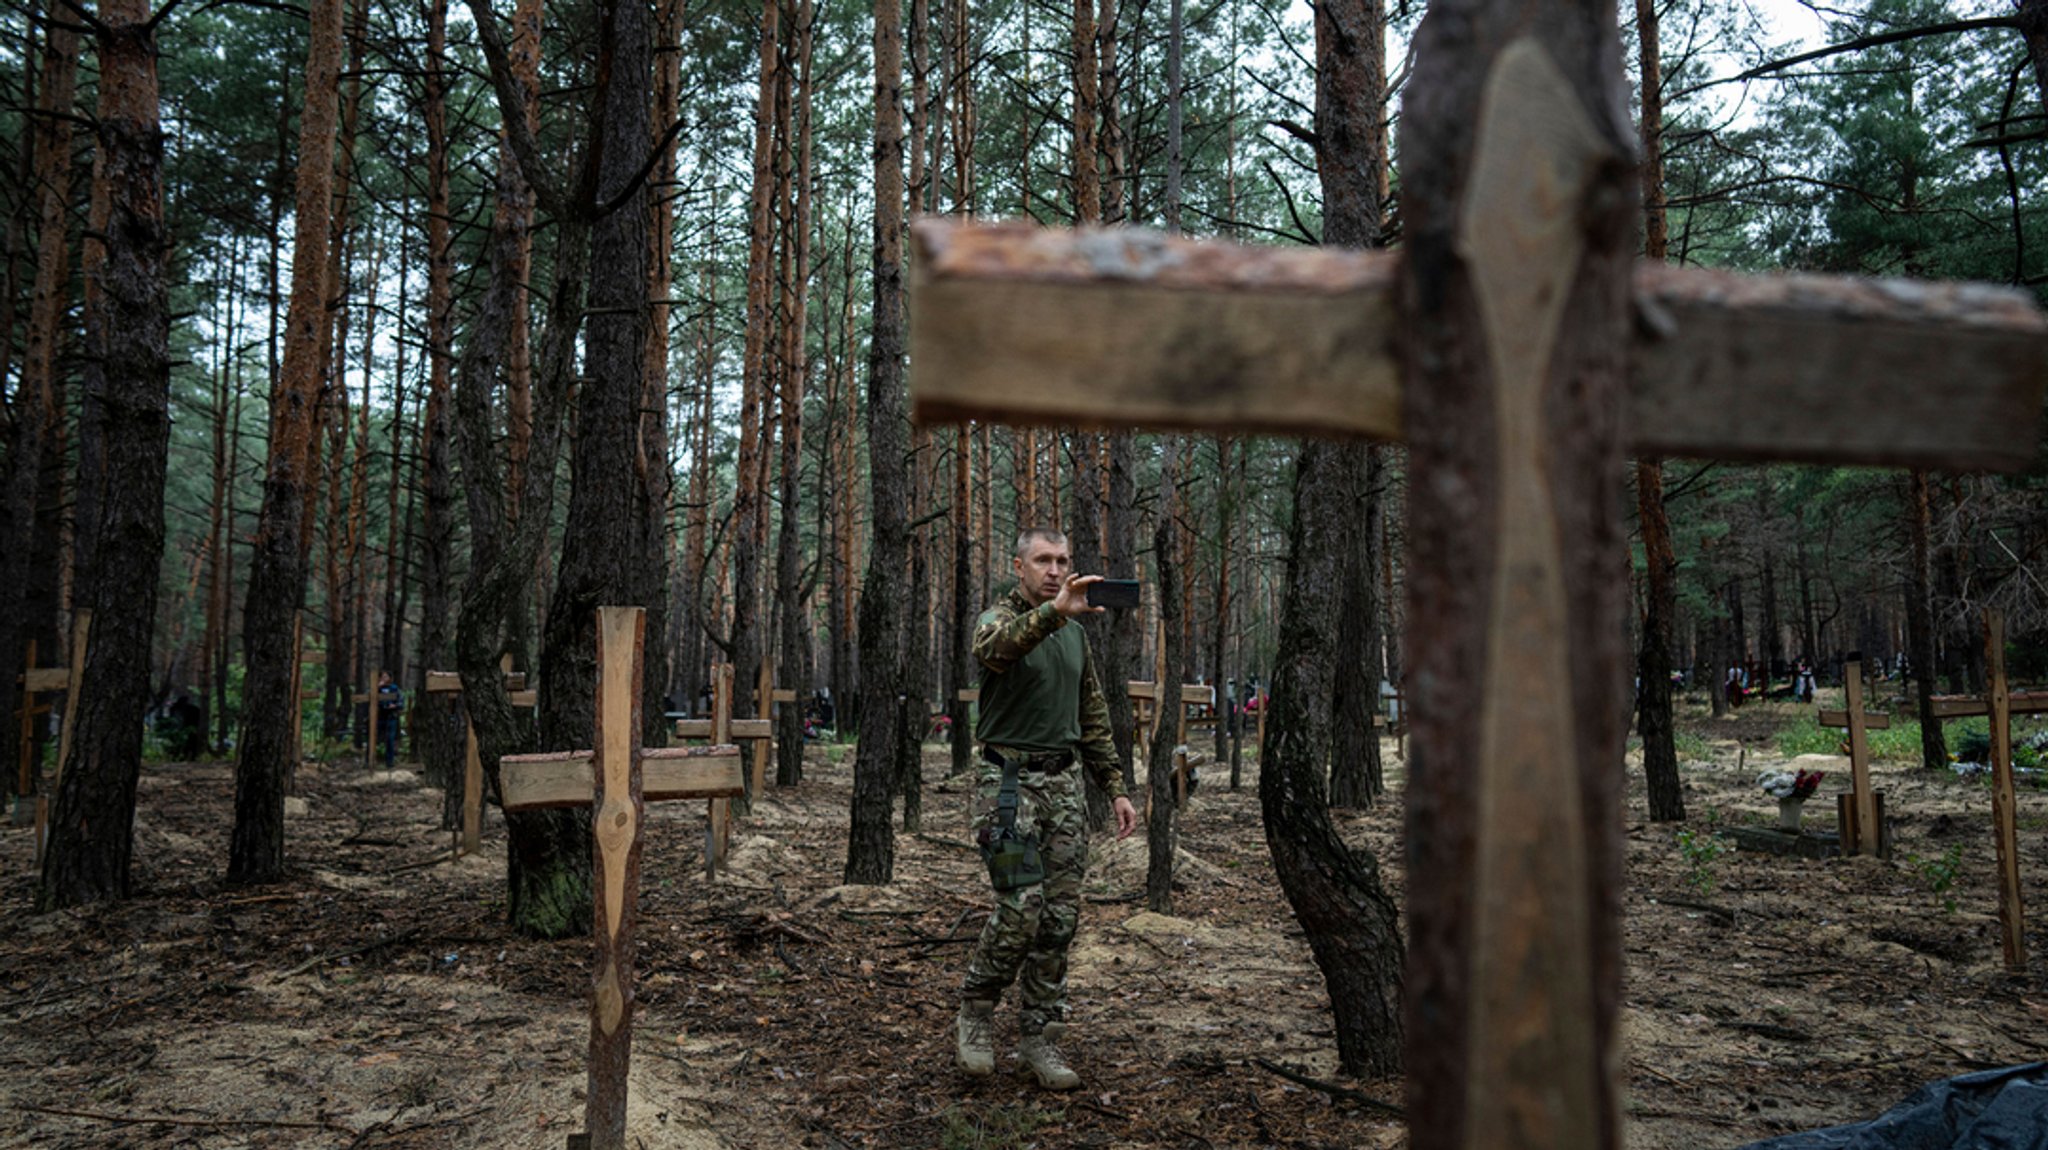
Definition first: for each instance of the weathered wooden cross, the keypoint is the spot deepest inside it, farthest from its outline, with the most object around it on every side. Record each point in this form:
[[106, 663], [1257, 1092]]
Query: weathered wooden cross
[[616, 780], [41, 681], [470, 837], [1863, 828], [1517, 352], [2000, 703], [721, 728]]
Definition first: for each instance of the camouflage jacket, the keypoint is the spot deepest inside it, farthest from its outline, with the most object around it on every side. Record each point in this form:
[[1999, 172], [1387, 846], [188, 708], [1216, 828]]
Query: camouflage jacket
[[1009, 632]]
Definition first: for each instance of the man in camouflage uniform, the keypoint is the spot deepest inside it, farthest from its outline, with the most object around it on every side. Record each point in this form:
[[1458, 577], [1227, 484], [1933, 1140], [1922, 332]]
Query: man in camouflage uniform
[[1041, 705]]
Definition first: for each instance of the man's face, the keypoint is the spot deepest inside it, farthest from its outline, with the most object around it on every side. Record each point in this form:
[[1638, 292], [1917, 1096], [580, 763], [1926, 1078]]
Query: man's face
[[1043, 569]]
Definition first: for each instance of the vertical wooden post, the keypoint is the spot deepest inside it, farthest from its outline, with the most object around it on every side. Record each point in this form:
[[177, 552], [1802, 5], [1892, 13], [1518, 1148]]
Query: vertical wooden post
[[764, 689], [617, 812], [81, 633], [472, 790], [28, 724], [2011, 915], [1866, 828], [717, 826], [298, 708]]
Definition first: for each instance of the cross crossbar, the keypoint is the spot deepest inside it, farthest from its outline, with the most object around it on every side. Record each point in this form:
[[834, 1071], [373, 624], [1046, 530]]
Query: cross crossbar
[[1965, 706], [1160, 331], [537, 782]]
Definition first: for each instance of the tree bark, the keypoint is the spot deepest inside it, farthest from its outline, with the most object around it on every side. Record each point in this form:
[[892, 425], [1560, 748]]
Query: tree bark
[[1920, 625], [277, 569], [1353, 927], [792, 666], [1349, 919], [35, 410], [438, 723], [1660, 567], [1160, 809], [93, 825], [871, 848], [747, 543]]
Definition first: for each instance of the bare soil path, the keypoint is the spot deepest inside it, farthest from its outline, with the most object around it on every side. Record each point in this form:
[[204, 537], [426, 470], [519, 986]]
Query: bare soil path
[[376, 999]]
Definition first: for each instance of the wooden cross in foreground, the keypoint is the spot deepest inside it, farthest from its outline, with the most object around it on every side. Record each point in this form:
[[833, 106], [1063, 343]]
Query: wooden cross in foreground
[[1516, 350], [616, 781]]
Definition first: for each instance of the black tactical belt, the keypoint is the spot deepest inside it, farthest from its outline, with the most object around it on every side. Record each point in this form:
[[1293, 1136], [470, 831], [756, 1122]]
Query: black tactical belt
[[1051, 764]]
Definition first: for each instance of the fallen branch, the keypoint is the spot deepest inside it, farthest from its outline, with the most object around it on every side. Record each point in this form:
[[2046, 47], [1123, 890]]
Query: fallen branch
[[351, 952], [1331, 1089], [164, 1120], [956, 844]]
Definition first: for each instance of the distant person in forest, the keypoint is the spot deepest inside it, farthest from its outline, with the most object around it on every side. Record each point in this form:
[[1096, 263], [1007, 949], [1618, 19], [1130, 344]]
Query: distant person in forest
[[390, 705], [1041, 708], [1802, 681]]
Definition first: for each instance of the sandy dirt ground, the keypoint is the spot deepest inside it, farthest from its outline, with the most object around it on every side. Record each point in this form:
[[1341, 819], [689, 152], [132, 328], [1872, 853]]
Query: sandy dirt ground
[[376, 999]]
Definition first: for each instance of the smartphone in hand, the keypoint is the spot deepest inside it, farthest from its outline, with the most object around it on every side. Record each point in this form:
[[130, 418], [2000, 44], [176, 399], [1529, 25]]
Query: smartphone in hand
[[1113, 593]]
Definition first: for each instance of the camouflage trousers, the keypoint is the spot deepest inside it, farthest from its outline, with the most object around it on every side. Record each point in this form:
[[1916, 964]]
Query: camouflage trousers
[[1026, 937]]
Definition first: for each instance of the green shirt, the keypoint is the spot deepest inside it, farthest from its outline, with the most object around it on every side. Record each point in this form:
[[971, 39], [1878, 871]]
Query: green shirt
[[1039, 693]]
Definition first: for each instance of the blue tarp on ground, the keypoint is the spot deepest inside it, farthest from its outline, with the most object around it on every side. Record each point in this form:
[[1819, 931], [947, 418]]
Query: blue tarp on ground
[[1991, 1110]]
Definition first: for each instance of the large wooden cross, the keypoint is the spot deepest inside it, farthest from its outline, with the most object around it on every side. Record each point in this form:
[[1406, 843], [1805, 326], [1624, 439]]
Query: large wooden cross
[[1515, 350], [1863, 829], [616, 780]]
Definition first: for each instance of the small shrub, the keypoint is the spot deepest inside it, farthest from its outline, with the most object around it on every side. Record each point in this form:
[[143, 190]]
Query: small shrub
[[1699, 850], [1940, 873]]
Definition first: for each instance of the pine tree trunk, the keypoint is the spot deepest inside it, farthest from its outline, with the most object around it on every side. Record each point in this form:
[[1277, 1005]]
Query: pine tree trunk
[[1349, 919], [792, 666], [747, 542], [92, 826], [1920, 625], [34, 407], [1160, 808], [871, 848], [601, 561], [438, 723], [277, 571]]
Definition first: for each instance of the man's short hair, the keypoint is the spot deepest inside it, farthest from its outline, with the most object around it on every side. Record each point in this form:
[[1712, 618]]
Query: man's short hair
[[1050, 535]]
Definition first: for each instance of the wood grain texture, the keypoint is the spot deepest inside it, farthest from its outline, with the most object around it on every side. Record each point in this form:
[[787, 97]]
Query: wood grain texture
[[1841, 719], [2012, 919], [1864, 840], [1533, 1076], [472, 792], [537, 782], [1166, 332], [617, 813], [43, 679], [1966, 706]]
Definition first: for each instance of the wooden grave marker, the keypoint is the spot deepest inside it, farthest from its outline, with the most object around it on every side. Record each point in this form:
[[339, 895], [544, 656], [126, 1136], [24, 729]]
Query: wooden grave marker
[[35, 681], [616, 780], [1513, 348], [721, 728], [470, 837], [1860, 813], [2000, 703]]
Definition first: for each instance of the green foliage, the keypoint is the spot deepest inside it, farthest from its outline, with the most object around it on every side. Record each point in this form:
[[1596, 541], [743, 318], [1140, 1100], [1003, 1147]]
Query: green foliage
[[1940, 873], [1690, 745], [1699, 849], [1898, 743], [998, 1127]]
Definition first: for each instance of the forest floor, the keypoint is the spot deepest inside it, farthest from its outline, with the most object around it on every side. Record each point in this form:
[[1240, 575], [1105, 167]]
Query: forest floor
[[376, 999]]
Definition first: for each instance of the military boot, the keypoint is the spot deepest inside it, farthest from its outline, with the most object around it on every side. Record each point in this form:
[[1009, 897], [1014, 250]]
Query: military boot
[[974, 1038], [1041, 1054]]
